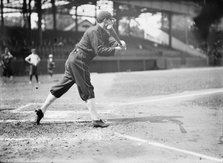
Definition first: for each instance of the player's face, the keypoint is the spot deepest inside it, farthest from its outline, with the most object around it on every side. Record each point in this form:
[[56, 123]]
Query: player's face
[[109, 22]]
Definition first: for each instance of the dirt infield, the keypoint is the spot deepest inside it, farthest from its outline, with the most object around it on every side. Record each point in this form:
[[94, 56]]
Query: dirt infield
[[155, 116]]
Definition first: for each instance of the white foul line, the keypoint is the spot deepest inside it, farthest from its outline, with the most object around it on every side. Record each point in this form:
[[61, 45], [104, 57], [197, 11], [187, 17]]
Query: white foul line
[[35, 139], [23, 139], [169, 147], [62, 112], [22, 107], [30, 104], [188, 94], [45, 121]]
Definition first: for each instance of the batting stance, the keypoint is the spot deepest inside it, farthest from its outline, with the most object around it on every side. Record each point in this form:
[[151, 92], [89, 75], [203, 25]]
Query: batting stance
[[95, 41]]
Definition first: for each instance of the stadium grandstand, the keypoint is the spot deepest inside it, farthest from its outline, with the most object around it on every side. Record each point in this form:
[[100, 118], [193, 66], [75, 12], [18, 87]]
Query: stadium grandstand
[[55, 26]]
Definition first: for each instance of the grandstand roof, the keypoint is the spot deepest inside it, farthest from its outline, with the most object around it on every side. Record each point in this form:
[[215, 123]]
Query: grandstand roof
[[19, 6]]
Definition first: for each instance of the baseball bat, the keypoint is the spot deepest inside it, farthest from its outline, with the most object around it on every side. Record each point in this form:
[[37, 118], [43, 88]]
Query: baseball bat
[[114, 34]]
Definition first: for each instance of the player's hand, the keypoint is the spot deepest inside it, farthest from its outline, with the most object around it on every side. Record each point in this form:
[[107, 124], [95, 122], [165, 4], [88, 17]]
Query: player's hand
[[119, 50], [123, 46]]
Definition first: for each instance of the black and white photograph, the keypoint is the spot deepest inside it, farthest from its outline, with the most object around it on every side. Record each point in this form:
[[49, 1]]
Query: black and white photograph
[[111, 81]]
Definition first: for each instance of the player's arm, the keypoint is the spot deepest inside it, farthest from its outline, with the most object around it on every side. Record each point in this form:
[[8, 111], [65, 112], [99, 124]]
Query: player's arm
[[118, 49], [112, 42], [98, 45], [27, 59]]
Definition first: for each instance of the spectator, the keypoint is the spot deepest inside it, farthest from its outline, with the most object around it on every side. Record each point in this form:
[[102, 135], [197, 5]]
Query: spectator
[[5, 63], [33, 59], [50, 65]]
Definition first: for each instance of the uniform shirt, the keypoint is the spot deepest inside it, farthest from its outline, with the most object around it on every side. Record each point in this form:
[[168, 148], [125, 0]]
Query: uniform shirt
[[34, 59], [50, 64], [6, 59], [96, 41]]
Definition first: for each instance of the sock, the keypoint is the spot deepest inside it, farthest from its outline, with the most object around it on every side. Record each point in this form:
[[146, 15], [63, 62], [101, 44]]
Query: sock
[[92, 109]]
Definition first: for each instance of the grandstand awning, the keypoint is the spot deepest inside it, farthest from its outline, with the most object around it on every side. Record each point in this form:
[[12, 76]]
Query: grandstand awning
[[176, 7]]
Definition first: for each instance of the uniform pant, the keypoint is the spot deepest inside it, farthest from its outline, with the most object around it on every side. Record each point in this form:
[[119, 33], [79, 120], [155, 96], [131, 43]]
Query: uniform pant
[[76, 71], [33, 71], [7, 71]]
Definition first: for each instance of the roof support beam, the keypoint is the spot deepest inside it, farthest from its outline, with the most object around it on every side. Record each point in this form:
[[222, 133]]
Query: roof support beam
[[2, 14], [54, 12]]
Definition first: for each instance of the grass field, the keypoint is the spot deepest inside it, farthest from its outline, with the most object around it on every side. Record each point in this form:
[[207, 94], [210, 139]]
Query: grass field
[[155, 117]]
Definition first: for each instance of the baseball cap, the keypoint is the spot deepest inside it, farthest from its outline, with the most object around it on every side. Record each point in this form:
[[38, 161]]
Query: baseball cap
[[104, 15]]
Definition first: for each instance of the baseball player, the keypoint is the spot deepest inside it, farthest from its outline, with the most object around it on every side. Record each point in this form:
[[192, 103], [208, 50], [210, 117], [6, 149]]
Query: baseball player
[[33, 59], [95, 41], [5, 63], [50, 65]]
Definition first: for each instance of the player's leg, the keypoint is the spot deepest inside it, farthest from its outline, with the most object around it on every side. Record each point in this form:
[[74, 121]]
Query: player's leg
[[4, 76], [86, 90], [56, 92], [97, 121], [49, 100], [91, 105], [30, 74], [51, 74], [10, 73], [35, 72], [50, 71], [87, 94], [37, 78], [30, 78]]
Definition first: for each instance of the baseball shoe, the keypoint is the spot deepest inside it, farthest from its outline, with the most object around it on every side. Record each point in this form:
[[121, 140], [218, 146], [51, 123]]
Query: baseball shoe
[[99, 123], [39, 116]]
